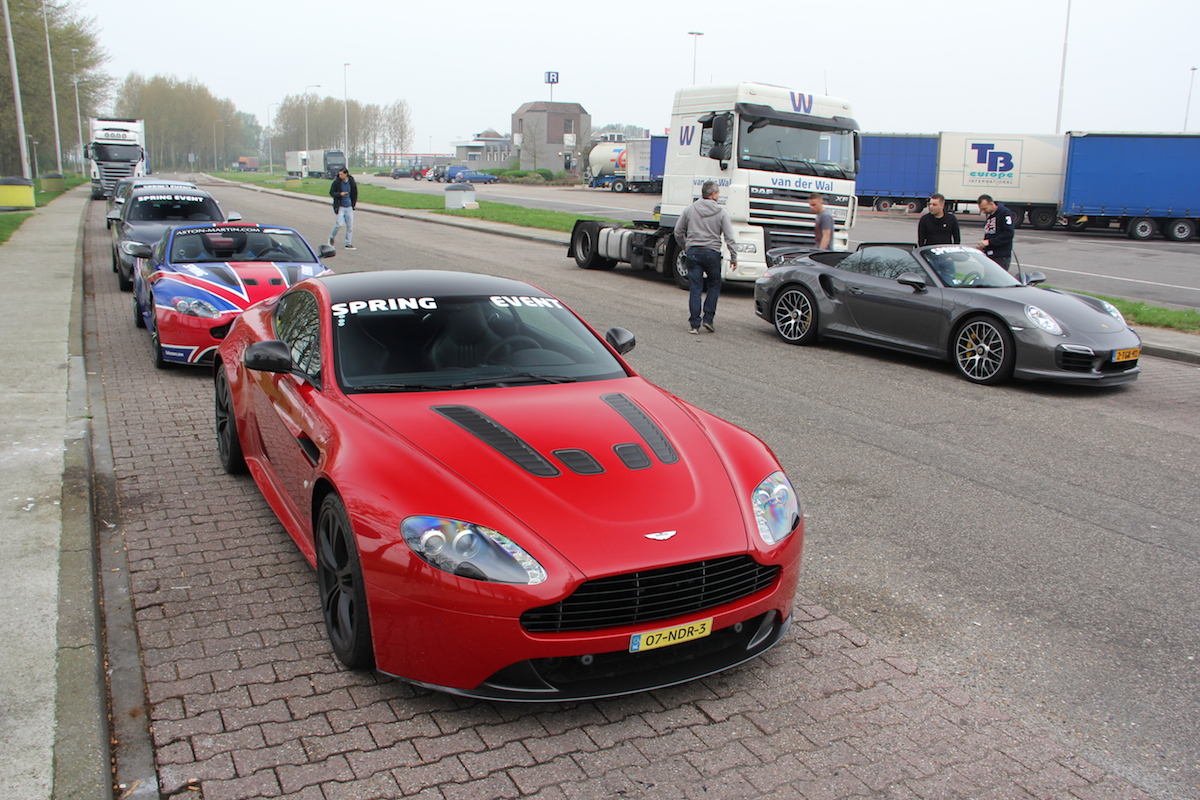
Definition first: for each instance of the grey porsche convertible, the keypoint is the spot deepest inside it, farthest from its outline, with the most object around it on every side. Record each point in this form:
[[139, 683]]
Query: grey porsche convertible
[[948, 302]]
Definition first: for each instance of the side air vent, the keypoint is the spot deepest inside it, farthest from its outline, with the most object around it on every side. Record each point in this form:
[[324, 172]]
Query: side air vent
[[651, 433], [580, 462], [501, 438]]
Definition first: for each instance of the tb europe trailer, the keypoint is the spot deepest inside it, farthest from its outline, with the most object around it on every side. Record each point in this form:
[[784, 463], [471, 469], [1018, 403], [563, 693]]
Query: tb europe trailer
[[1022, 171], [897, 169], [767, 148], [1141, 182]]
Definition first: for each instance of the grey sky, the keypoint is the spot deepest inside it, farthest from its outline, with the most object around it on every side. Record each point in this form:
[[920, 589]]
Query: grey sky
[[965, 65]]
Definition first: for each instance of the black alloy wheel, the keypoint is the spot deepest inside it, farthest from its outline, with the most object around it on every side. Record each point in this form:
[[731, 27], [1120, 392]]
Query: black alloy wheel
[[340, 584]]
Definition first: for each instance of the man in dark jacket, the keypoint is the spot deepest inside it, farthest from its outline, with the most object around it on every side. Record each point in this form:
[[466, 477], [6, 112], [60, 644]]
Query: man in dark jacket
[[998, 231], [344, 191], [698, 232], [939, 226]]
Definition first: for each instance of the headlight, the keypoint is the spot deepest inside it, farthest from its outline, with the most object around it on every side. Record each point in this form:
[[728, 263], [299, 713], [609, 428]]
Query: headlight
[[470, 551], [776, 508], [193, 307], [1116, 312], [1042, 320], [745, 248]]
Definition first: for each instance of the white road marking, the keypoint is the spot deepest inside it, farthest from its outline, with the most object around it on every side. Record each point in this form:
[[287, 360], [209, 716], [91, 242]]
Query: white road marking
[[1027, 267]]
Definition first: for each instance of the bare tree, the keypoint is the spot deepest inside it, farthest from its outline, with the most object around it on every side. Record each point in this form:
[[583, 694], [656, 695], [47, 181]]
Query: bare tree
[[398, 127]]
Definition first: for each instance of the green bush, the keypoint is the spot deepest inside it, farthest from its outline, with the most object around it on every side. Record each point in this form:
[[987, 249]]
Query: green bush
[[546, 174], [517, 174]]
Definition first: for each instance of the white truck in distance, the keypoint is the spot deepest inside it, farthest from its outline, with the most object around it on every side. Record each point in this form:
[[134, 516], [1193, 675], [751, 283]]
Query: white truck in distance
[[116, 149], [768, 148]]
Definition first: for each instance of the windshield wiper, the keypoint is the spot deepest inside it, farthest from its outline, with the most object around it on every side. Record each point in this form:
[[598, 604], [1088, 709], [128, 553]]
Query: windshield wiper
[[842, 172], [400, 387], [516, 377]]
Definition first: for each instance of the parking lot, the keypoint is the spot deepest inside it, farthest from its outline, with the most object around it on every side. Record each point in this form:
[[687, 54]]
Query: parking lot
[[244, 699]]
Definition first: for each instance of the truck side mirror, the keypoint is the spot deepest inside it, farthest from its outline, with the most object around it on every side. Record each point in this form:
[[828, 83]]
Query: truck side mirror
[[720, 128]]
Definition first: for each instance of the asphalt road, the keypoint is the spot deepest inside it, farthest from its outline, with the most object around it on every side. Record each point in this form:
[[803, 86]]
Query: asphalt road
[[1040, 545]]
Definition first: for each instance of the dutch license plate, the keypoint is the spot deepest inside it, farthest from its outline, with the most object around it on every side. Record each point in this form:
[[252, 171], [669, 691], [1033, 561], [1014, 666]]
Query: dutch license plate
[[669, 636], [1127, 355]]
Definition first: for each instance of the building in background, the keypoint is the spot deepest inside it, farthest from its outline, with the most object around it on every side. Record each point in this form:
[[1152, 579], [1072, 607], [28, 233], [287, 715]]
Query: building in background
[[488, 150], [548, 135]]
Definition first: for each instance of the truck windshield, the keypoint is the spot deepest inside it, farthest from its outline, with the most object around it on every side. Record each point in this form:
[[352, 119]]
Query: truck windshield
[[776, 146], [117, 152]]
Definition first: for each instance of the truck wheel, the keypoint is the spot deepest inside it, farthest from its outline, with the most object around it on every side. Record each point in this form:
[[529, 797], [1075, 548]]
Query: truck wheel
[[1076, 224], [1179, 230], [1018, 215], [1042, 219], [583, 244], [1141, 228], [883, 203], [914, 205], [618, 186], [677, 264]]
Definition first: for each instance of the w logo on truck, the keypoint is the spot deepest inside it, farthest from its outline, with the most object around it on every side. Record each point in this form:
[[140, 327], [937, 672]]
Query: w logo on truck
[[686, 134], [802, 103]]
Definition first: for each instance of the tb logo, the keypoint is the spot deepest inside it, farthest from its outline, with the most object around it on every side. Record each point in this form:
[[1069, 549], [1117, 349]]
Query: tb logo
[[996, 160]]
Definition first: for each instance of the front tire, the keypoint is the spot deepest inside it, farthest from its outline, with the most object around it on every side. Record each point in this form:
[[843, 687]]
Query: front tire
[[138, 320], [983, 351], [229, 446], [342, 590], [794, 315], [156, 352]]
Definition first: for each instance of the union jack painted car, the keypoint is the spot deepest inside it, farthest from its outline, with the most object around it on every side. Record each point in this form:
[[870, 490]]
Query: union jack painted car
[[192, 284], [495, 503]]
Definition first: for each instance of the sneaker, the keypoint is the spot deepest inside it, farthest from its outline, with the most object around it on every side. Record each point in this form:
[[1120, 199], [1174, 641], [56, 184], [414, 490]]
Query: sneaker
[[350, 247], [708, 326], [331, 241], [693, 330]]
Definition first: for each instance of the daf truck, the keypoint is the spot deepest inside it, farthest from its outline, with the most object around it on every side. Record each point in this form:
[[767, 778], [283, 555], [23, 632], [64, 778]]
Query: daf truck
[[767, 148], [116, 149]]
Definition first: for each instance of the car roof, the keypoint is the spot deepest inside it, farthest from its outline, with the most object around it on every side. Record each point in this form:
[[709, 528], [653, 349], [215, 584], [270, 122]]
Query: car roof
[[346, 286], [142, 191]]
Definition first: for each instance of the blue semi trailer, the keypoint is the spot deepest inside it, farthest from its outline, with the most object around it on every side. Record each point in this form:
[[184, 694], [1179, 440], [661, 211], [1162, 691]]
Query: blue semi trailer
[[1143, 183], [897, 169]]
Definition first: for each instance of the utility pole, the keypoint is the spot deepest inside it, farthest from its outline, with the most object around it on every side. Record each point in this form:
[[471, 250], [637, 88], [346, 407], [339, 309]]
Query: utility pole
[[78, 118], [12, 65], [270, 158], [695, 41], [346, 112], [53, 94], [1062, 76]]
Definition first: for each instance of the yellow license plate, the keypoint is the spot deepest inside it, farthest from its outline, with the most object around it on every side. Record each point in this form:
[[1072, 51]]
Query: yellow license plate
[[669, 636], [1127, 355]]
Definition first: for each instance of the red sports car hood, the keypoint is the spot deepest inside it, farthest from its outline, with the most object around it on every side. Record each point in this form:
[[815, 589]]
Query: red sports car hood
[[602, 471]]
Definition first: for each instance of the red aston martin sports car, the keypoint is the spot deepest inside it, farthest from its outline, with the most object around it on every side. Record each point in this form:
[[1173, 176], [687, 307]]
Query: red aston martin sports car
[[495, 503]]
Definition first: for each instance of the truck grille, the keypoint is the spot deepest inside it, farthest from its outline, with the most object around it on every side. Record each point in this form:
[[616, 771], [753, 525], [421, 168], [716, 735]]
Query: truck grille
[[111, 173], [650, 595], [784, 215]]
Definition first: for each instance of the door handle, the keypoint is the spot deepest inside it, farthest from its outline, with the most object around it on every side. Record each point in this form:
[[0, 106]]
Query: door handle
[[856, 290]]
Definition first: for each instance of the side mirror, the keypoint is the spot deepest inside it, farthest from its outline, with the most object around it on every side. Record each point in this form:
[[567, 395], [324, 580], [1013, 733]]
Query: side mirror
[[913, 279], [269, 356], [114, 215], [233, 217], [1033, 278], [138, 250], [720, 128], [326, 251], [621, 340]]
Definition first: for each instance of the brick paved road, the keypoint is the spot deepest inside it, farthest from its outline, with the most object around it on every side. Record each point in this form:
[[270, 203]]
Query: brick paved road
[[246, 701]]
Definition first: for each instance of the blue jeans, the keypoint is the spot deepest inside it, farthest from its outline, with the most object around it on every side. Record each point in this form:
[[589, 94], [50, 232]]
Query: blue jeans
[[704, 274], [344, 216]]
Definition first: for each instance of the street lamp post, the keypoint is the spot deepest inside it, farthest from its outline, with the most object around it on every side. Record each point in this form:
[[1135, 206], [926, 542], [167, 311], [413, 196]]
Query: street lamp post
[[306, 88], [53, 94], [695, 41], [1062, 75], [1188, 110], [215, 121], [78, 118], [35, 144], [16, 84], [346, 111], [270, 157]]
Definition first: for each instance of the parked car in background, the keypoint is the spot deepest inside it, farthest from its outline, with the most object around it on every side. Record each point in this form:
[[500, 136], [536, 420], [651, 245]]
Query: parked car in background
[[123, 187], [148, 213], [402, 172], [495, 503], [475, 176], [949, 302], [192, 284]]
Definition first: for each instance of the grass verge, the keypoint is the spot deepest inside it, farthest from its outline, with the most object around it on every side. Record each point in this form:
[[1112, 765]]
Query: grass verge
[[519, 215], [10, 221], [71, 180]]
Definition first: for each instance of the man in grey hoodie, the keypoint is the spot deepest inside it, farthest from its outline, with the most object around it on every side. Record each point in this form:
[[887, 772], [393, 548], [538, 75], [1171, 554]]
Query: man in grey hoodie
[[699, 232]]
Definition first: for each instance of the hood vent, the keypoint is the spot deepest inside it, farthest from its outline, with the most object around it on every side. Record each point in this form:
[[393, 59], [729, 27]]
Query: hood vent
[[580, 462], [632, 455], [651, 433], [501, 438]]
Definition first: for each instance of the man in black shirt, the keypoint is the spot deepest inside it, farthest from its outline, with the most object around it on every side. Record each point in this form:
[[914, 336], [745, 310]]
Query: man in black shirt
[[998, 231], [938, 226]]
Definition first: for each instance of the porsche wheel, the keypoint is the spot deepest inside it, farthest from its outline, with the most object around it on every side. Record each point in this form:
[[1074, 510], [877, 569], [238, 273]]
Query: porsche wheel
[[342, 591], [983, 351], [138, 320], [794, 315], [229, 446]]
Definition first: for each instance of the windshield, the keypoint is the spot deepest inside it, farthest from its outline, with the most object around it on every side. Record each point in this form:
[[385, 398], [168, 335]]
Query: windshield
[[174, 207], [200, 245], [777, 146], [117, 152], [966, 267], [416, 344]]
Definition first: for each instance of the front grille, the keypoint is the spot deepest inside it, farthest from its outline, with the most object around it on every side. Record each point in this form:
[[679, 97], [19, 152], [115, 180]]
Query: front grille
[[640, 597], [1084, 362]]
